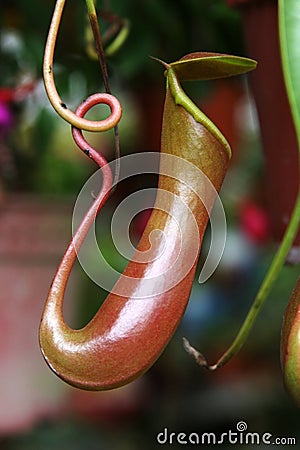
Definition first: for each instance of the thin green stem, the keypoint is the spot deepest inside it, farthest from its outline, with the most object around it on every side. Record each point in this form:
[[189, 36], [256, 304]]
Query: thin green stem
[[265, 288], [92, 13], [90, 4]]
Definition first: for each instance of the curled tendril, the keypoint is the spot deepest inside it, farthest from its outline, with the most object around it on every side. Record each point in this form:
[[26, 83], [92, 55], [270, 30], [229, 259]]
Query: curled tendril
[[57, 103], [82, 109], [99, 159]]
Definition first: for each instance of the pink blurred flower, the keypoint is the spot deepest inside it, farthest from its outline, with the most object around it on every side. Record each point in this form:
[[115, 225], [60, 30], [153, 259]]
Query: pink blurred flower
[[6, 116], [254, 222], [9, 96]]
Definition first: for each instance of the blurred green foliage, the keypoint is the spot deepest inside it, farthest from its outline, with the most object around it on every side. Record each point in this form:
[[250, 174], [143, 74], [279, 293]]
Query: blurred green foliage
[[168, 30], [165, 29]]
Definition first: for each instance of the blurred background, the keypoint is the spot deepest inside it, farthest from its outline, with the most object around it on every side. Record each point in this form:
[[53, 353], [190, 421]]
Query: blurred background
[[41, 174]]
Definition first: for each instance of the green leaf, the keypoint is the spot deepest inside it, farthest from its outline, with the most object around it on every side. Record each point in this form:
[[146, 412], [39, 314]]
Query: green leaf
[[208, 66], [289, 29]]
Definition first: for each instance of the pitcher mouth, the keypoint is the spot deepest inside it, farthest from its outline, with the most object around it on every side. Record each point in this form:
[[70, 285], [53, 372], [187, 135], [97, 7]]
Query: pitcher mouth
[[181, 98]]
